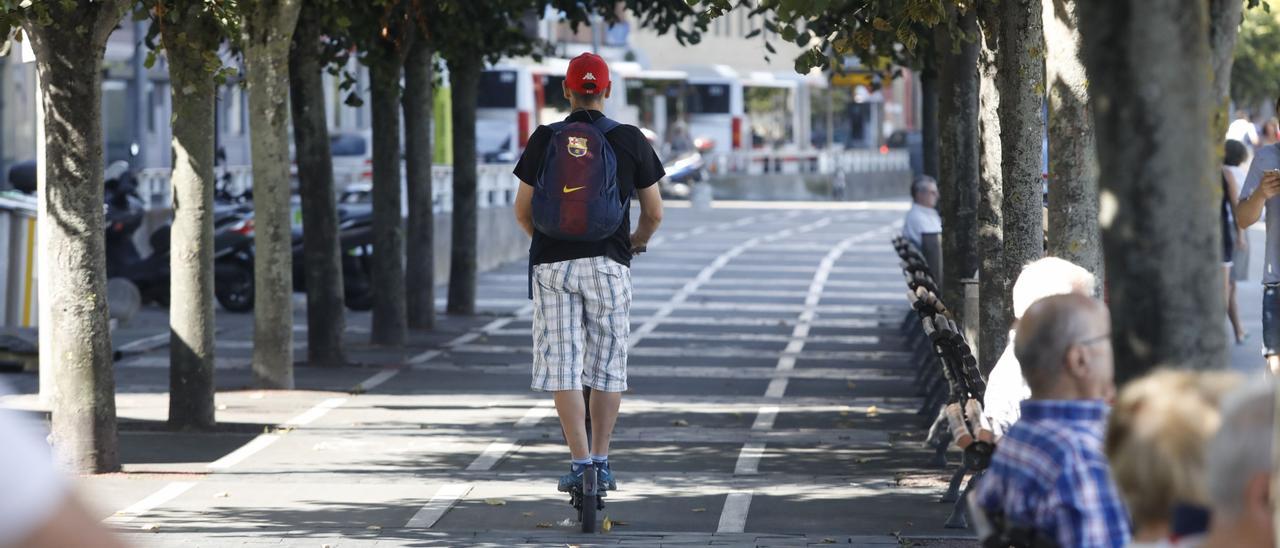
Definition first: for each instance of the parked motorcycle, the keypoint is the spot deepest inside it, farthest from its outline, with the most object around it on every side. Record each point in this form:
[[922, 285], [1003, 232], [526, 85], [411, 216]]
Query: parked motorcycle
[[232, 243]]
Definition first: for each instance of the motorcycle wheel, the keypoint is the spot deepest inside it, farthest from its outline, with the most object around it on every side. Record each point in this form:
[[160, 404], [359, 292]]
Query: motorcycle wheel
[[234, 289]]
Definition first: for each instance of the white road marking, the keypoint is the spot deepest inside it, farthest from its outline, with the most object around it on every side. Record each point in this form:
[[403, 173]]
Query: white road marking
[[525, 310], [496, 451], [441, 502], [710, 270], [319, 410], [264, 441], [535, 414], [749, 459], [765, 418], [166, 494], [733, 519], [376, 380], [144, 344], [245, 451]]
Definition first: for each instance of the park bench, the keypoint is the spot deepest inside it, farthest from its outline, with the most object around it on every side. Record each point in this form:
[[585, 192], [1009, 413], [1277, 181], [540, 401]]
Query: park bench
[[948, 378]]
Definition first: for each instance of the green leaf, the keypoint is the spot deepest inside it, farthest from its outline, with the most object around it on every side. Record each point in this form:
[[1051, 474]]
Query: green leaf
[[150, 60], [769, 47], [753, 34]]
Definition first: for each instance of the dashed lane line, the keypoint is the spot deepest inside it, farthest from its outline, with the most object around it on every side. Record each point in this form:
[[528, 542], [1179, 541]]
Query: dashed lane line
[[137, 509], [440, 503], [749, 459], [263, 441], [733, 519]]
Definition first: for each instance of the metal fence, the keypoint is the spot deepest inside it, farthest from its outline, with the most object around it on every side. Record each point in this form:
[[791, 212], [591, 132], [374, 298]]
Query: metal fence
[[495, 185], [800, 162]]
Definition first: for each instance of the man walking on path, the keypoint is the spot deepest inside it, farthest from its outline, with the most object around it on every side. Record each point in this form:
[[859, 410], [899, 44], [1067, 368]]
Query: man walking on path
[[1260, 188], [580, 175]]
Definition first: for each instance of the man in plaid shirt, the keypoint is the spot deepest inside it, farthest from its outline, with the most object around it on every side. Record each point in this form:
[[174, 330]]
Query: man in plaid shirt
[[1049, 476]]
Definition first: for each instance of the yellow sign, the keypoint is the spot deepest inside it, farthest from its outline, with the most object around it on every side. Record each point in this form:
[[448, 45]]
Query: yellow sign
[[852, 79]]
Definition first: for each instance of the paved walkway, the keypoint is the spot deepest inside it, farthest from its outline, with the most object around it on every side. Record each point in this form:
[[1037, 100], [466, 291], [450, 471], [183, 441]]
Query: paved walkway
[[770, 405]]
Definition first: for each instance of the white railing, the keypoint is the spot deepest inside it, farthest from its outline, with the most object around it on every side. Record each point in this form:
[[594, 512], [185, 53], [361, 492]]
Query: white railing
[[762, 162], [495, 185], [156, 189]]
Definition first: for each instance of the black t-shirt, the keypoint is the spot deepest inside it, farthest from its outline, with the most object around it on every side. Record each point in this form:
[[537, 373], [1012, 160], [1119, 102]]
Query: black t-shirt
[[638, 167]]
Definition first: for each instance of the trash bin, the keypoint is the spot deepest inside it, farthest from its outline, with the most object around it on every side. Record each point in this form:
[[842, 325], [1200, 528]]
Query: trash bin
[[18, 260]]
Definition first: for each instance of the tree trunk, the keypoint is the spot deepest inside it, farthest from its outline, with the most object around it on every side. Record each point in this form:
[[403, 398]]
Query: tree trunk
[[464, 76], [420, 268], [958, 161], [1224, 24], [1159, 214], [191, 316], [69, 52], [929, 121], [389, 317], [1073, 164], [321, 252], [993, 324], [1020, 80], [268, 31]]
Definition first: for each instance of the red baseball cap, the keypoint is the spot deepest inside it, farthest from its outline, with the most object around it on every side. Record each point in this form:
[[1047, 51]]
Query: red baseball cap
[[588, 74]]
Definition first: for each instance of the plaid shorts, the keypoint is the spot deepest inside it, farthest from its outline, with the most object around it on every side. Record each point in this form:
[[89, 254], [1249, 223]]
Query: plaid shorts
[[581, 323]]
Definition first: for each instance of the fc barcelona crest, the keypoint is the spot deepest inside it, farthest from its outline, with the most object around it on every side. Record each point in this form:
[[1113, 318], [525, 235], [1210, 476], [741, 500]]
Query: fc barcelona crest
[[578, 146]]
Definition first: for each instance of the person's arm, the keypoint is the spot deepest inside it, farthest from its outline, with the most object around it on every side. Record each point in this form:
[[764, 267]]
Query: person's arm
[[524, 208], [650, 216], [1259, 186]]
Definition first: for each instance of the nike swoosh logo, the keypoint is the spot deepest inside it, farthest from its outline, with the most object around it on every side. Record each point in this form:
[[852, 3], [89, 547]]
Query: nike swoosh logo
[[574, 189]]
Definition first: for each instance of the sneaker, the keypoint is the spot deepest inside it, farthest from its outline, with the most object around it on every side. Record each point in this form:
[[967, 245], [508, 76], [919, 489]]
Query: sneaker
[[604, 477], [572, 480]]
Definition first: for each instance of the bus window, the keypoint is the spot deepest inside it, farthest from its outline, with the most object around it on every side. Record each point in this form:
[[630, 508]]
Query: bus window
[[708, 99], [497, 89], [556, 106]]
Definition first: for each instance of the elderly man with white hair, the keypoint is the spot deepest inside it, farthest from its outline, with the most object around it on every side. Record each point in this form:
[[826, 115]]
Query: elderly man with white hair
[[1238, 469], [1049, 479], [1005, 386]]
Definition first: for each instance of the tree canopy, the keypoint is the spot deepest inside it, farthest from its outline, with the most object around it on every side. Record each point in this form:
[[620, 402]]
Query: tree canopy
[[1257, 57], [878, 33]]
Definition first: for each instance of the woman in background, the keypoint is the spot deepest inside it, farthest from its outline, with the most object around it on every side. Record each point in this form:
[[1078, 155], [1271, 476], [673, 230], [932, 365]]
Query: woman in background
[[1235, 244]]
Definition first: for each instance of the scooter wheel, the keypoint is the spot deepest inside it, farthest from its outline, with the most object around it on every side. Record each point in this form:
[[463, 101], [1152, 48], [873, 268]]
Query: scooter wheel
[[234, 287], [590, 500]]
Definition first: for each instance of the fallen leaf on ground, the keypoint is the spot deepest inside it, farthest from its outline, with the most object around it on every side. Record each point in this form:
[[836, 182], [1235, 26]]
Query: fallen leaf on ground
[[607, 525], [566, 522], [374, 528], [527, 514], [828, 540], [151, 527], [495, 502], [544, 525], [872, 411], [699, 509], [221, 495], [850, 385], [679, 422], [861, 460], [620, 523]]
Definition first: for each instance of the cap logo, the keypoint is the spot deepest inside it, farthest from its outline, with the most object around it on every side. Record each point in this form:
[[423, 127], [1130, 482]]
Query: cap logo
[[589, 76]]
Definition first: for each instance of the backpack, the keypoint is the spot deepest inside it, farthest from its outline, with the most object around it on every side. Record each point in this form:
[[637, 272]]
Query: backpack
[[576, 197]]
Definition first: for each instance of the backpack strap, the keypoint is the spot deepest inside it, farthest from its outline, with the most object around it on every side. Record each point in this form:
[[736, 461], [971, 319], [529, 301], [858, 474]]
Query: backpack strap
[[605, 124]]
